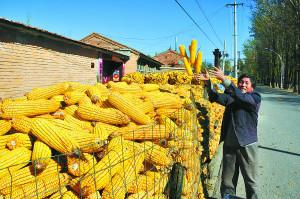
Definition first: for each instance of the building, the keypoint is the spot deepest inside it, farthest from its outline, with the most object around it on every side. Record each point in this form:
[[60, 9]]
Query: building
[[170, 58], [31, 57], [137, 60]]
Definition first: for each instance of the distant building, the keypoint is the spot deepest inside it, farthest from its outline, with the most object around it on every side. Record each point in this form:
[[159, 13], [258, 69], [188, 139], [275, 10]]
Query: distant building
[[169, 58], [137, 60], [32, 57]]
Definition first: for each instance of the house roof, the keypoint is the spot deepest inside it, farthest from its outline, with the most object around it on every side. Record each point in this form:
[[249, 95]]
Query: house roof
[[23, 27], [168, 57], [116, 46]]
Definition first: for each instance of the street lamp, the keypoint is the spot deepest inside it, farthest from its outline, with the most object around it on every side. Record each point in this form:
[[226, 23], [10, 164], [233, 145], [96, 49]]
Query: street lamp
[[282, 67]]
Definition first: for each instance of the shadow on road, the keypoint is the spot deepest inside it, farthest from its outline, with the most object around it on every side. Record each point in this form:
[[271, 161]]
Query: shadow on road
[[278, 150]]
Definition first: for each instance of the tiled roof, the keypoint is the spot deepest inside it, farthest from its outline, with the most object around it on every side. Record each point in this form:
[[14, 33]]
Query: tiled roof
[[169, 57]]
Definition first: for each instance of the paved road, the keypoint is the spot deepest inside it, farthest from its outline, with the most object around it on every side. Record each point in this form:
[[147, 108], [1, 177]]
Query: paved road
[[279, 141]]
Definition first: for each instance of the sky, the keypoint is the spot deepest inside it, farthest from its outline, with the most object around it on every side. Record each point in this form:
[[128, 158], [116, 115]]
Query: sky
[[150, 26]]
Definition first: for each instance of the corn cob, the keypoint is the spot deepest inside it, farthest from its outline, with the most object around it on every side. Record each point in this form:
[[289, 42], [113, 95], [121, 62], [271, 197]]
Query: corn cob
[[166, 111], [122, 87], [85, 100], [193, 51], [18, 140], [5, 126], [28, 108], [58, 98], [79, 166], [78, 87], [66, 125], [59, 193], [187, 66], [41, 155], [156, 132], [108, 115], [121, 180], [182, 51], [166, 102], [198, 63], [53, 136], [138, 195], [87, 142], [47, 92], [22, 124], [128, 108], [156, 154], [70, 195], [23, 98], [27, 175], [142, 183], [100, 131], [108, 166], [73, 97], [40, 189], [149, 87], [80, 123], [71, 110], [109, 128], [59, 114], [145, 106], [95, 195], [15, 157], [94, 93]]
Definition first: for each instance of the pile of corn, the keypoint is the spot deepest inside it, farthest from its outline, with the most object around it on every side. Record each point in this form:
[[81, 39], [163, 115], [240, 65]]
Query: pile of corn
[[71, 140]]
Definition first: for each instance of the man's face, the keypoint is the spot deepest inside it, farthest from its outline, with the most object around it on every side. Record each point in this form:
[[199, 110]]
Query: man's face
[[245, 85]]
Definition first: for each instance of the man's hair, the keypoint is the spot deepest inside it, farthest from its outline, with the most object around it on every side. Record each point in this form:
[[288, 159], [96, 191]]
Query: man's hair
[[247, 76]]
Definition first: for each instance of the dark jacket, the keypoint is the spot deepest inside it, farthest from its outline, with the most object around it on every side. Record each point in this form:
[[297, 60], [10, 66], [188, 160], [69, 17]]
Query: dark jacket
[[241, 110]]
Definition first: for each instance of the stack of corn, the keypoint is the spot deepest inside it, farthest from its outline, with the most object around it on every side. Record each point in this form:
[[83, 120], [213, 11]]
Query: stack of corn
[[92, 138]]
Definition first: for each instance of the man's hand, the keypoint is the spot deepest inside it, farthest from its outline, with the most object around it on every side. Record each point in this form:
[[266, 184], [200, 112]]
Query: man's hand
[[202, 76], [218, 73]]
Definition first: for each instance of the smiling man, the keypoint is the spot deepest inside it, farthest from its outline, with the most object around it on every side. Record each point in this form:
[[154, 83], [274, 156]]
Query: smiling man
[[239, 131]]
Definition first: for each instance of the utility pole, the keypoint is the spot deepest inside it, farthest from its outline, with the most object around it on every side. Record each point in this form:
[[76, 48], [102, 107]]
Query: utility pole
[[234, 35], [176, 44], [224, 56]]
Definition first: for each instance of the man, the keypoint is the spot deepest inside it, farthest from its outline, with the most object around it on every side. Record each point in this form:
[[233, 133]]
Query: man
[[239, 131]]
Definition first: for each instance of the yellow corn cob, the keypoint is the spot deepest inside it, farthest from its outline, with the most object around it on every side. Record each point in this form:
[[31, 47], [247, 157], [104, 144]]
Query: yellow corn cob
[[76, 86], [100, 131], [166, 111], [128, 108], [16, 140], [145, 106], [69, 195], [23, 98], [94, 93], [106, 115], [87, 142], [109, 128], [71, 110], [187, 66], [182, 51], [80, 123], [122, 87], [41, 155], [85, 100], [95, 195], [5, 126], [193, 51], [22, 124], [120, 182], [156, 154], [73, 97], [59, 194], [143, 183], [42, 188], [59, 114], [198, 63], [26, 175], [79, 166], [15, 157], [53, 136], [47, 92], [66, 125], [182, 144], [99, 176], [166, 102], [138, 195], [150, 87], [59, 98], [146, 132], [28, 108]]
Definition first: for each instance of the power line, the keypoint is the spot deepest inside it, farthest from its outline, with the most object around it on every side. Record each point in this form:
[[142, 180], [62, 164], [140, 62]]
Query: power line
[[211, 26], [195, 23]]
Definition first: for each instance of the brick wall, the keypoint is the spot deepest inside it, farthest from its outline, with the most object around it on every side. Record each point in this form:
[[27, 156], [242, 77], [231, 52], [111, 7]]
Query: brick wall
[[24, 66]]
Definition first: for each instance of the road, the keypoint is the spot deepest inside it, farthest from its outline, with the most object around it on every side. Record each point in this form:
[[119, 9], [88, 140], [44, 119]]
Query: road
[[279, 145]]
